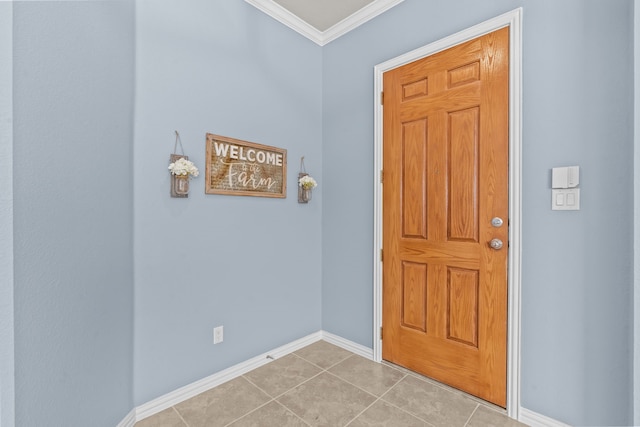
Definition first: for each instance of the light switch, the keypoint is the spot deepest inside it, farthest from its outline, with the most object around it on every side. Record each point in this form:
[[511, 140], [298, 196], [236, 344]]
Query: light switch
[[566, 199]]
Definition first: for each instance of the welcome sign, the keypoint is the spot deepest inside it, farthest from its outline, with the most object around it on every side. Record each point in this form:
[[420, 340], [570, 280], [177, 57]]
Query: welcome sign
[[242, 168]]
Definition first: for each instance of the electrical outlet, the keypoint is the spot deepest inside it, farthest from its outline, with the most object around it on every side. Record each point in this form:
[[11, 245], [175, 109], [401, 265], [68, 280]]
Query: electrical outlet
[[218, 335]]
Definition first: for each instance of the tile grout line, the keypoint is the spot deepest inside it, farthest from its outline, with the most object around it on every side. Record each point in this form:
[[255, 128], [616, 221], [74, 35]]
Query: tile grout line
[[308, 361], [405, 375], [286, 391], [275, 399], [356, 386], [398, 407], [472, 414], [257, 386], [289, 389], [362, 412], [453, 390], [248, 413], [254, 409], [325, 369], [381, 398], [378, 398], [298, 385], [180, 415], [296, 415]]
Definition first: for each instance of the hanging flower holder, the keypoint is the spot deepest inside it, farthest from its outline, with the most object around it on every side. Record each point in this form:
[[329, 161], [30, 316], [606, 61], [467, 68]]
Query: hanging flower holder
[[306, 184], [182, 170], [181, 185]]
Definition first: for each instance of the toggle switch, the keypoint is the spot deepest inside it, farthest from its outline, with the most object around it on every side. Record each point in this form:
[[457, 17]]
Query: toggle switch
[[566, 199]]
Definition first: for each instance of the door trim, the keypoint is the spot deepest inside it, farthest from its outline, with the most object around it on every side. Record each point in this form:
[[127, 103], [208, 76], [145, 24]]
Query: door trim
[[513, 20], [7, 313]]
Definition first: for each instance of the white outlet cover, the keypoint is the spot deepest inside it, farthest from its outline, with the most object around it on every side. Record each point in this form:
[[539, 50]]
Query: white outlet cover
[[218, 335]]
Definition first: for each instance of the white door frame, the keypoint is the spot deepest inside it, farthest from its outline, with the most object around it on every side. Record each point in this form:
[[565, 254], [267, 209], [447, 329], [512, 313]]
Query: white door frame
[[7, 339], [513, 20]]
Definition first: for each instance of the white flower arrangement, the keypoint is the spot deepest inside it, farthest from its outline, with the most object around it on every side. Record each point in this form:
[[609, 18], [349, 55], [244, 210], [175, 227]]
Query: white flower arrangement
[[307, 182], [182, 167]]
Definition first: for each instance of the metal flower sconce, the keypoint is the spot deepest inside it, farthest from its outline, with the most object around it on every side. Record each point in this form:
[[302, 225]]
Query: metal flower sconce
[[182, 170], [306, 184]]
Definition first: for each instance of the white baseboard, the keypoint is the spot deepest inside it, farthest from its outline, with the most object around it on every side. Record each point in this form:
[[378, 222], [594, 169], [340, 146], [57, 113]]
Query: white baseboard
[[353, 347], [187, 392], [129, 420], [168, 400], [534, 419]]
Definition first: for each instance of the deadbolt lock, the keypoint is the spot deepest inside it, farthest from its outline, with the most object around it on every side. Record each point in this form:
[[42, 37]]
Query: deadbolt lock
[[497, 222]]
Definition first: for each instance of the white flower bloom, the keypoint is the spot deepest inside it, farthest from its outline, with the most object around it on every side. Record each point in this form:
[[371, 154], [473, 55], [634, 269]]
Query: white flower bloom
[[307, 182], [183, 166]]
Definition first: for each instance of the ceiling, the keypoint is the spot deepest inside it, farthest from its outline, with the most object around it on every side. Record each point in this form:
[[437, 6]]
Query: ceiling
[[323, 21], [323, 14]]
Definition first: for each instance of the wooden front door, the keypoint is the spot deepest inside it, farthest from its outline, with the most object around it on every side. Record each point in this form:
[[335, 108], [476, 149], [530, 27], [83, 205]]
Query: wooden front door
[[445, 168]]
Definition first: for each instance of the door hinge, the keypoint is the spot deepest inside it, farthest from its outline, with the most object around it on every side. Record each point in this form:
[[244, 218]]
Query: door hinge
[[380, 332], [381, 98], [381, 176], [381, 255]]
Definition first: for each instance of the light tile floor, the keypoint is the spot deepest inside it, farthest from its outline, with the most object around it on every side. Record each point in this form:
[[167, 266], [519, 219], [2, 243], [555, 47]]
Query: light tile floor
[[325, 385]]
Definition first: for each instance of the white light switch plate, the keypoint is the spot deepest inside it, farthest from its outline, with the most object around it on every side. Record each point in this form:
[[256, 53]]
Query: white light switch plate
[[566, 199]]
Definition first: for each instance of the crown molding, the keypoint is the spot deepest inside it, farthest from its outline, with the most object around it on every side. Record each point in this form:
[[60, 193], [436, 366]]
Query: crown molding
[[287, 18], [321, 38], [362, 16]]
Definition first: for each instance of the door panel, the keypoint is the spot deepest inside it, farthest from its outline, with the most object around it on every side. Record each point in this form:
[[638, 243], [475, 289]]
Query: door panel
[[463, 175], [445, 155], [414, 179], [414, 295], [462, 305]]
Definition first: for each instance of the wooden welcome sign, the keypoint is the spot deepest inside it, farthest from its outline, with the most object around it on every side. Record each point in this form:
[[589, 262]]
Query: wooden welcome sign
[[242, 168]]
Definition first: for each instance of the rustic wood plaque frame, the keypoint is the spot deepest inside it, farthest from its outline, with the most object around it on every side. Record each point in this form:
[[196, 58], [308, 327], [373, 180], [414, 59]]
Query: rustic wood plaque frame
[[241, 168]]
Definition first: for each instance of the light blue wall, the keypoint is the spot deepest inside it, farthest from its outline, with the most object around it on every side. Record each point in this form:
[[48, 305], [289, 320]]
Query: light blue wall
[[271, 270], [7, 384], [577, 266], [250, 264], [73, 112], [636, 218]]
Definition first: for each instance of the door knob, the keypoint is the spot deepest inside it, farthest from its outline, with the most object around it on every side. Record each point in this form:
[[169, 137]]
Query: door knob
[[497, 222], [496, 244]]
